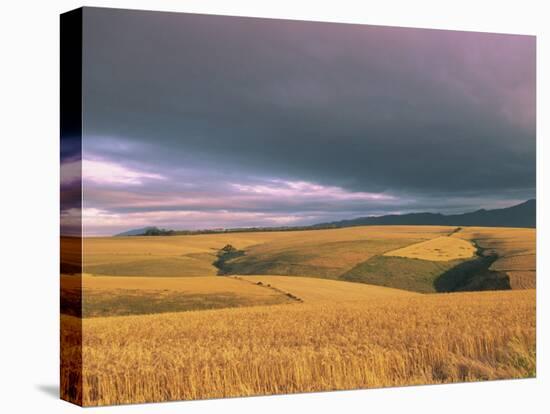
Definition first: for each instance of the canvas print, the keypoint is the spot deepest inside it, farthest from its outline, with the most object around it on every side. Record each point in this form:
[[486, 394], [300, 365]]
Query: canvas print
[[259, 206]]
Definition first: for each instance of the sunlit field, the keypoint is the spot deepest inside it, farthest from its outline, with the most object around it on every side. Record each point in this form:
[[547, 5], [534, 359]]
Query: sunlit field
[[416, 339], [321, 252], [165, 318], [116, 296], [439, 249]]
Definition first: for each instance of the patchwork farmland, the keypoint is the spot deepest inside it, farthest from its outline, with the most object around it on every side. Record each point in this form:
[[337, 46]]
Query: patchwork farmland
[[214, 315]]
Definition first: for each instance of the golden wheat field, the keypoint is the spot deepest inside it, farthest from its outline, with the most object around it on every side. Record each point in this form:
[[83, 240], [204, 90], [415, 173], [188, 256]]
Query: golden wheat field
[[438, 249], [315, 291], [117, 296], [418, 339], [330, 250], [154, 321]]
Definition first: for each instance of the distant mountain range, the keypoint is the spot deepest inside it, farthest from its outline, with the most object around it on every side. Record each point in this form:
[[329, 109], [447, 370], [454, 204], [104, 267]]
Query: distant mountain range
[[520, 215]]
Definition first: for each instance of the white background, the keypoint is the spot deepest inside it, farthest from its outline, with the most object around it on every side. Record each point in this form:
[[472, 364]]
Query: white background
[[29, 148]]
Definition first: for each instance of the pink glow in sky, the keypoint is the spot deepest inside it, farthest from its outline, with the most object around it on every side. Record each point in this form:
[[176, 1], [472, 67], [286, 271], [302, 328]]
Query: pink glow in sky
[[108, 173], [304, 189], [276, 122]]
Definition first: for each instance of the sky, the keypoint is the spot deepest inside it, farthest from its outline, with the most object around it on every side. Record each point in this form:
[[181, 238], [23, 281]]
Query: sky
[[195, 121]]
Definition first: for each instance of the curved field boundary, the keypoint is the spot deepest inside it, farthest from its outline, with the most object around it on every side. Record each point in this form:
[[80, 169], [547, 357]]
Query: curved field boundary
[[440, 249], [316, 290]]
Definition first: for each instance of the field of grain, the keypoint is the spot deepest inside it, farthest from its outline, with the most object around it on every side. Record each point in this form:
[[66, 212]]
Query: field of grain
[[162, 256], [411, 339], [323, 253], [404, 257], [328, 253], [315, 291], [415, 275], [439, 249], [163, 318], [116, 296]]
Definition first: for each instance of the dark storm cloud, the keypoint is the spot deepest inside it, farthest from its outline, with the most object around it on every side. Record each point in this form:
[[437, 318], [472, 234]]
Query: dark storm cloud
[[431, 117]]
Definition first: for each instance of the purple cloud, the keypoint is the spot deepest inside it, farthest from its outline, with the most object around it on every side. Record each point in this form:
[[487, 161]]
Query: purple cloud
[[298, 121]]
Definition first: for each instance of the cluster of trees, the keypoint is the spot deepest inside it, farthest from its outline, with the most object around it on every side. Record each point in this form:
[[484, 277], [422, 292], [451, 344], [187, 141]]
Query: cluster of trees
[[227, 253], [155, 231]]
